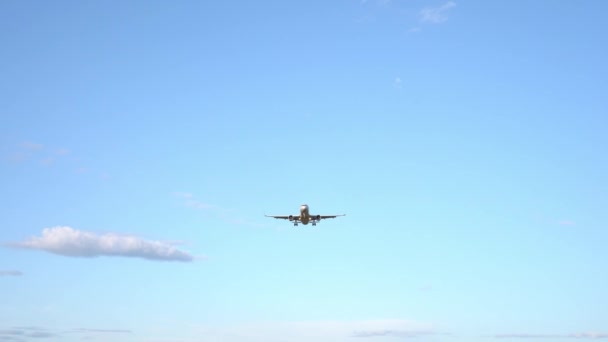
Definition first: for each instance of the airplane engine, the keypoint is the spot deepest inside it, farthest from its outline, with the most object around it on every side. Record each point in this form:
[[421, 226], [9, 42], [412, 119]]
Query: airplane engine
[[318, 217], [290, 217]]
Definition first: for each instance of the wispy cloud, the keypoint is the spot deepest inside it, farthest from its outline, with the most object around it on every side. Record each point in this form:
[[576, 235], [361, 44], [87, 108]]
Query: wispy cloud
[[21, 333], [10, 273], [48, 161], [29, 150], [392, 333], [397, 82], [426, 288], [225, 214], [62, 152], [189, 201], [436, 15], [48, 156], [566, 223], [29, 333], [379, 2], [317, 330], [25, 151], [32, 146], [71, 242], [589, 335], [103, 331]]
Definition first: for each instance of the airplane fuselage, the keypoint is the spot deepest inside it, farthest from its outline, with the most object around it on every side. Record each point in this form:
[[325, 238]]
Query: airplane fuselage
[[304, 214]]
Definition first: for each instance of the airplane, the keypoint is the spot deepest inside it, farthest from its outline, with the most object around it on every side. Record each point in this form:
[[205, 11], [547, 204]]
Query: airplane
[[304, 217]]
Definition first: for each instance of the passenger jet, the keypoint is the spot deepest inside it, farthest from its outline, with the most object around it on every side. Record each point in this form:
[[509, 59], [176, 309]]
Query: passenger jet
[[304, 217]]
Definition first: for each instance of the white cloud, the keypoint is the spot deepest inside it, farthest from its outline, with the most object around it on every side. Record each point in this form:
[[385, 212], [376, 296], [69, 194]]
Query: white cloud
[[10, 273], [68, 241], [436, 15]]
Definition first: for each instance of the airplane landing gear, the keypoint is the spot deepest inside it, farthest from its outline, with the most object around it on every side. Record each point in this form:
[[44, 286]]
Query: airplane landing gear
[[314, 223], [295, 224]]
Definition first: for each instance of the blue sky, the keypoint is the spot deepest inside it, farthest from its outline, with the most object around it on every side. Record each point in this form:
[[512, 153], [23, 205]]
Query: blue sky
[[142, 142]]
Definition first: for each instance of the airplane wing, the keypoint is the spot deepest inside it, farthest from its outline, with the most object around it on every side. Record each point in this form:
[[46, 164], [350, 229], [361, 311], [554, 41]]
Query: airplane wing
[[329, 216], [284, 217]]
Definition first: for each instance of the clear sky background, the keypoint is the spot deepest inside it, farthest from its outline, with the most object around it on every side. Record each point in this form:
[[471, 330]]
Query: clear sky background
[[142, 142]]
